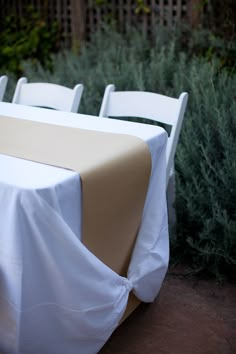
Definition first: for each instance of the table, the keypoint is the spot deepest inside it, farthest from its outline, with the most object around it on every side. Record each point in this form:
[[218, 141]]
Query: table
[[56, 296]]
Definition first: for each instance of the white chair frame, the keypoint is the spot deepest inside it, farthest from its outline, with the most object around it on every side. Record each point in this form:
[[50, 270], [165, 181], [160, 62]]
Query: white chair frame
[[3, 84], [160, 108], [48, 95]]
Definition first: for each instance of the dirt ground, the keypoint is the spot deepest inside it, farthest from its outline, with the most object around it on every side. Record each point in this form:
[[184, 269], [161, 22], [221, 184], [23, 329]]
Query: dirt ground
[[190, 316]]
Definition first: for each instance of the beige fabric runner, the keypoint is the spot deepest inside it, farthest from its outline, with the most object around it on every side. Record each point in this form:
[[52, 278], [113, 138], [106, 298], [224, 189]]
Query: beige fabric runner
[[114, 170]]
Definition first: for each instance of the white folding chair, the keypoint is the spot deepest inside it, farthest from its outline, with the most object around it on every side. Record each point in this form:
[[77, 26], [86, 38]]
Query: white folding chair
[[160, 108], [3, 84], [48, 95]]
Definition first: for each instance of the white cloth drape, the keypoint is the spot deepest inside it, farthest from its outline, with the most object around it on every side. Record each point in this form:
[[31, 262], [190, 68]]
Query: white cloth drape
[[55, 295]]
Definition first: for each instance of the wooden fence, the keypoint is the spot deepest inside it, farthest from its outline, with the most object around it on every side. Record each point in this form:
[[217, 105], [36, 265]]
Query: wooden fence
[[78, 19]]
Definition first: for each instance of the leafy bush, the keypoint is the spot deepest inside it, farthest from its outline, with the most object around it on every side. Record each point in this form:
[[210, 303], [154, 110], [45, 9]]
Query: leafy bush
[[221, 20], [26, 37], [205, 161], [205, 43]]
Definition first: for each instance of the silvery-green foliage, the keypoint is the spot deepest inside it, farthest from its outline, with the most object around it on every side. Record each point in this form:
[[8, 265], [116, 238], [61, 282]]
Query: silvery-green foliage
[[206, 153], [206, 168]]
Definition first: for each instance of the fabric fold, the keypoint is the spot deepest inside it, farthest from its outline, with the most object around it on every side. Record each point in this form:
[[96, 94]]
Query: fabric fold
[[63, 297], [85, 312]]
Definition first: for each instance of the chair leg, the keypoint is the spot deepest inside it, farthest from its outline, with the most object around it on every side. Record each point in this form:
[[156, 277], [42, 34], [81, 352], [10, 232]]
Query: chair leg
[[170, 195]]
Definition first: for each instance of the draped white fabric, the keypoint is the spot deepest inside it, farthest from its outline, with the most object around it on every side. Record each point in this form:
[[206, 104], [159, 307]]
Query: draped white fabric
[[55, 296]]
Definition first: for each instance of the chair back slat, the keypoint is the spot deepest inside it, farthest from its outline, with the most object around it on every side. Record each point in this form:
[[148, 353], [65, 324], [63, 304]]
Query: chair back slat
[[144, 105], [3, 84], [149, 105], [48, 95]]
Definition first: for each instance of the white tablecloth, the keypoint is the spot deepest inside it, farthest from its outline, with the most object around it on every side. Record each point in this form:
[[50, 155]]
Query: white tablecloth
[[55, 296]]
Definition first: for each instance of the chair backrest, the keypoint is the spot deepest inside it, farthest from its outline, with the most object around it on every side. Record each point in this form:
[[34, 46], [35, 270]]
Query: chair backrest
[[48, 95], [160, 108], [3, 84]]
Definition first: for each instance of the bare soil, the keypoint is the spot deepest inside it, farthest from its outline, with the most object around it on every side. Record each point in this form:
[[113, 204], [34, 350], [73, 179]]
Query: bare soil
[[190, 316]]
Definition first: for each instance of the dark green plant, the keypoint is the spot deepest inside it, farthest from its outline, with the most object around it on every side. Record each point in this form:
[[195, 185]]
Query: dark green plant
[[219, 17], [140, 6], [27, 37], [205, 43]]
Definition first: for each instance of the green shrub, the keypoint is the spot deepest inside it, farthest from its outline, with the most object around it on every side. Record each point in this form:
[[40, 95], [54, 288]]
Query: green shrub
[[26, 38], [205, 160], [206, 170]]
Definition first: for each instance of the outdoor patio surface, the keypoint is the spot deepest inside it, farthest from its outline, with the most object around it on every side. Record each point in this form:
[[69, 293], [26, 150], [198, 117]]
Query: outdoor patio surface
[[190, 316]]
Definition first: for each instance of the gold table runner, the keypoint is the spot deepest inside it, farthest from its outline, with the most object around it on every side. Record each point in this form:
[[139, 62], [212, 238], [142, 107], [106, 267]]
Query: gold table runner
[[114, 170]]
